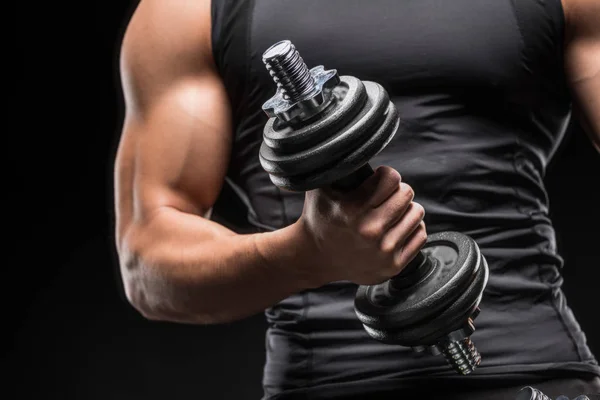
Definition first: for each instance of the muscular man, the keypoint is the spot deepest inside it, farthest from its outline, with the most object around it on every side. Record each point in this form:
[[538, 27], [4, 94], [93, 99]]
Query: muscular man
[[484, 90]]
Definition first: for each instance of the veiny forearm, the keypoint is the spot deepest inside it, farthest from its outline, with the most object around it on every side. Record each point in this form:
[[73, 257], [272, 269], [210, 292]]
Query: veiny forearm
[[183, 268]]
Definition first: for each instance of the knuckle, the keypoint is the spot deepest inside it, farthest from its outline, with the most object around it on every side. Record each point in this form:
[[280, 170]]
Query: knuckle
[[399, 262], [395, 266], [407, 191], [408, 257], [418, 210], [370, 231], [387, 246], [391, 175], [422, 236], [399, 265], [396, 203]]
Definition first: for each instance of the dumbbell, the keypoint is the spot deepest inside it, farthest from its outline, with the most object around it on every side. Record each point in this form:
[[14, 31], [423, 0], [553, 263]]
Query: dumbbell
[[322, 131]]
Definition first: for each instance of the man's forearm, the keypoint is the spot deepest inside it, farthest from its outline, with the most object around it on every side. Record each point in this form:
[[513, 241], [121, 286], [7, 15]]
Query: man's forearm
[[183, 268]]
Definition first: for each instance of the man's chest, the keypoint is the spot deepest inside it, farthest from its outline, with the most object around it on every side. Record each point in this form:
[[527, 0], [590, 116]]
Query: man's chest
[[411, 43]]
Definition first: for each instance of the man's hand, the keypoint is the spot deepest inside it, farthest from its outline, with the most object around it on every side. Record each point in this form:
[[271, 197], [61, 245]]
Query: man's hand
[[365, 236], [582, 62]]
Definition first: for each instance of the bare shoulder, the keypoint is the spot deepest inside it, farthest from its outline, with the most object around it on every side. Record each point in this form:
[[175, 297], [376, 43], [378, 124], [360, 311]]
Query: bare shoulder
[[582, 18], [165, 40], [582, 62], [172, 25], [582, 39]]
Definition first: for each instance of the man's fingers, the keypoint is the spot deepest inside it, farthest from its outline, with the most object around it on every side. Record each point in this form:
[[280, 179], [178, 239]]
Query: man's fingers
[[398, 234], [411, 247]]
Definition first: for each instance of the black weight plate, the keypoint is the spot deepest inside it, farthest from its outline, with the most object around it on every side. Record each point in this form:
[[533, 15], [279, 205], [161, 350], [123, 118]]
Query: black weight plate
[[347, 165], [430, 331], [425, 299], [350, 97], [351, 162], [333, 147]]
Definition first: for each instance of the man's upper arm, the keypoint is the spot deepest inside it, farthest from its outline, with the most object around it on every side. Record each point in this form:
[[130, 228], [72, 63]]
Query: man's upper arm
[[582, 56], [176, 139]]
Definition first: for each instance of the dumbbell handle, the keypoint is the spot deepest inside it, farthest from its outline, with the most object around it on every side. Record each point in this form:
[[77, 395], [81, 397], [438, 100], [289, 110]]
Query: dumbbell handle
[[353, 181]]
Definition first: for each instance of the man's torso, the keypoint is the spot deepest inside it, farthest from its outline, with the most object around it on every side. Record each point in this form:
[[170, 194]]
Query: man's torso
[[483, 105]]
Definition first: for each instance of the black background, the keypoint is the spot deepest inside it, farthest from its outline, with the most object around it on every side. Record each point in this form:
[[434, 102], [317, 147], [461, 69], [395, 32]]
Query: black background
[[71, 333]]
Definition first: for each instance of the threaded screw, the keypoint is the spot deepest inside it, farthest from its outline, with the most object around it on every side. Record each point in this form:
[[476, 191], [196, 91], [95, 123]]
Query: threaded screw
[[462, 355], [288, 70]]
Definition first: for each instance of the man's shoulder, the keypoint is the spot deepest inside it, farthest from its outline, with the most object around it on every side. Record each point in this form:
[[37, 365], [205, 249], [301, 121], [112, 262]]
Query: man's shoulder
[[580, 15], [175, 26]]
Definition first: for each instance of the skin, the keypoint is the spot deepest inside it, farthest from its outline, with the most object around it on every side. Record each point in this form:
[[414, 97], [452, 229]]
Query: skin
[[179, 266]]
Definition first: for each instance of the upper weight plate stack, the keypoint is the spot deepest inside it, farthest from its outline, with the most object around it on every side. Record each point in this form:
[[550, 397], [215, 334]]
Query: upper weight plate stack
[[358, 124]]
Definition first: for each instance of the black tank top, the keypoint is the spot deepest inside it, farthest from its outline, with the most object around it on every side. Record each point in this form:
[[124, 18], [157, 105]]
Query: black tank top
[[483, 103]]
